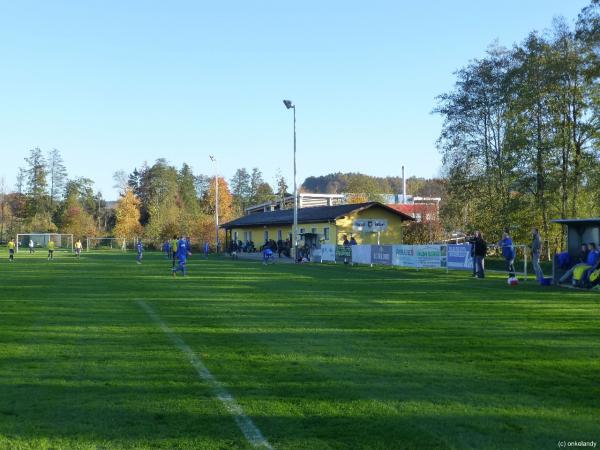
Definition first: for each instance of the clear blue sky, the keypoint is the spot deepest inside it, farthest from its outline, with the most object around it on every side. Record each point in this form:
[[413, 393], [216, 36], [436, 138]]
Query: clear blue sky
[[114, 83]]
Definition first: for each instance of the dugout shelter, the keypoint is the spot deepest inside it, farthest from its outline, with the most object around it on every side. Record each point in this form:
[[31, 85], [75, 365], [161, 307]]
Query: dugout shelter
[[579, 231]]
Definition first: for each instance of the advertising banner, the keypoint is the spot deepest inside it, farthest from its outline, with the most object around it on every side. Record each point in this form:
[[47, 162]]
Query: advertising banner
[[404, 256], [431, 256], [343, 253], [419, 256], [381, 254], [315, 255], [361, 254], [328, 252], [459, 257]]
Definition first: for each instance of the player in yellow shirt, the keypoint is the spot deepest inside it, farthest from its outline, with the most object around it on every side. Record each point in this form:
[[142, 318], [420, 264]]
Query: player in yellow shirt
[[78, 248], [174, 245], [50, 250], [11, 250]]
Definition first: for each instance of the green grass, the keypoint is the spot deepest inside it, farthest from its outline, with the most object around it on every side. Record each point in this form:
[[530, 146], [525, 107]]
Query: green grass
[[319, 357]]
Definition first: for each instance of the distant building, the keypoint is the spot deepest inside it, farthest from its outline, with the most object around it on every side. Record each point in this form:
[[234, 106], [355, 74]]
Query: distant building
[[111, 204], [305, 200], [422, 209]]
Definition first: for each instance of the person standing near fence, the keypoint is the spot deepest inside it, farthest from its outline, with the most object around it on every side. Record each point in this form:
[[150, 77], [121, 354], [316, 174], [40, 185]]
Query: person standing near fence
[[480, 250], [536, 252], [508, 252], [346, 244], [471, 242]]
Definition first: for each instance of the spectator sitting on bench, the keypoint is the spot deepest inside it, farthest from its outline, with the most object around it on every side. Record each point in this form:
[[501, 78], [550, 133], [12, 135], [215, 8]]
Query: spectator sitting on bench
[[578, 270]]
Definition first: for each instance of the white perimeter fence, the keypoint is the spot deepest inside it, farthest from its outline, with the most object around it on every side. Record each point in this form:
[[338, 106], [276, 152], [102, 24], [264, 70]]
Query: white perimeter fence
[[431, 256]]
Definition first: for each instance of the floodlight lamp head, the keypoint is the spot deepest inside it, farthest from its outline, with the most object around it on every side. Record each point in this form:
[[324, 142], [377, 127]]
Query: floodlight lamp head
[[288, 104], [212, 158]]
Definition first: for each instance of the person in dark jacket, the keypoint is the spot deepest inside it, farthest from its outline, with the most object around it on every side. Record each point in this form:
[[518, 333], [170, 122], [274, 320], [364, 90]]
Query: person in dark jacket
[[480, 250], [583, 253], [536, 252], [345, 243]]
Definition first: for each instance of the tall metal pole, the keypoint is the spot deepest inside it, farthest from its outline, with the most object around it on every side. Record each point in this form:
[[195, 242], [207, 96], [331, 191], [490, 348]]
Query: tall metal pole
[[295, 195], [214, 160]]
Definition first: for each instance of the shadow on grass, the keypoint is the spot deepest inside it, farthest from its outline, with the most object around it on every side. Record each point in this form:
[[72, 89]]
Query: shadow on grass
[[110, 415]]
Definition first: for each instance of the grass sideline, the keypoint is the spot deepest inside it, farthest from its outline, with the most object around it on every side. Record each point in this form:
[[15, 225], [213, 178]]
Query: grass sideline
[[319, 357]]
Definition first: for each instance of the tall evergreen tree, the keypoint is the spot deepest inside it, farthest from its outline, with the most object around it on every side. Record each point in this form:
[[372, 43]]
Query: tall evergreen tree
[[187, 189], [37, 184], [282, 188], [57, 174], [241, 189]]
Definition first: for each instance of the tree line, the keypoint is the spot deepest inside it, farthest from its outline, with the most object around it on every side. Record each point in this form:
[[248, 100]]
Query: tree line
[[520, 137], [46, 199], [155, 201], [160, 200]]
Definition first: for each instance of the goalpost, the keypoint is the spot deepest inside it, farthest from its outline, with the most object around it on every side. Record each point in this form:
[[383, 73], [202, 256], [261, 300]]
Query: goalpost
[[40, 241], [107, 243]]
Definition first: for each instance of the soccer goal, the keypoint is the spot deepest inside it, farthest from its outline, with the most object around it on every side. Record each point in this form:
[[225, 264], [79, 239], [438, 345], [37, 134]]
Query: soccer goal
[[35, 241], [108, 243]]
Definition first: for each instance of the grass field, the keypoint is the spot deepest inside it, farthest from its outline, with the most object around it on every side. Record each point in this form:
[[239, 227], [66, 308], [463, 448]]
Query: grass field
[[316, 356]]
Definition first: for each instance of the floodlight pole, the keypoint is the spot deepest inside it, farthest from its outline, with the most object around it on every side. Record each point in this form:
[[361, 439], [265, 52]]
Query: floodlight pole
[[214, 160], [295, 194], [289, 105]]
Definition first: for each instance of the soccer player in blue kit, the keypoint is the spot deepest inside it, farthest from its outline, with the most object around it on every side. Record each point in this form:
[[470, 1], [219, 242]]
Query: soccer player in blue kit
[[140, 251], [182, 255]]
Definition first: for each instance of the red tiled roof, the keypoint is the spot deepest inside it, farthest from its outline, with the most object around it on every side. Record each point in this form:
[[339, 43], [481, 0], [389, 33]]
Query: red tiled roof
[[411, 209]]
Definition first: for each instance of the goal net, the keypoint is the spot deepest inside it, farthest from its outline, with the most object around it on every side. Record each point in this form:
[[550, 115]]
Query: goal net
[[39, 241], [108, 243]]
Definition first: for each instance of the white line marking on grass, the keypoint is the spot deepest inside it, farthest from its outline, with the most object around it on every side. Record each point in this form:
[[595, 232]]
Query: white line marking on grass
[[245, 424]]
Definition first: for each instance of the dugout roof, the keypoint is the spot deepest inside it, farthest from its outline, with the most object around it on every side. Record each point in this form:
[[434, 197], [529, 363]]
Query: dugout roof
[[307, 215], [593, 221]]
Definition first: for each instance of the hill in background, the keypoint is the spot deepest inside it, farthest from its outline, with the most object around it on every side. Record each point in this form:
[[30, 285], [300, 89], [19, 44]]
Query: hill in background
[[337, 183]]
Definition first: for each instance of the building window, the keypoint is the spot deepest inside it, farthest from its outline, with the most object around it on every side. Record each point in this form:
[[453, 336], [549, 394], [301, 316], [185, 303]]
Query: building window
[[279, 235], [266, 235], [301, 230], [313, 231], [235, 236], [246, 237], [326, 233]]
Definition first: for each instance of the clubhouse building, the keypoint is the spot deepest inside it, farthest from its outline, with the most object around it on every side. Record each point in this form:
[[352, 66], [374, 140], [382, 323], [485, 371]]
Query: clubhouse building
[[326, 224]]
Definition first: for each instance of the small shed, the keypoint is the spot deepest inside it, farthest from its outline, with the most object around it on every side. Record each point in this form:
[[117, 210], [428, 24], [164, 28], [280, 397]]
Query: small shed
[[579, 231]]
